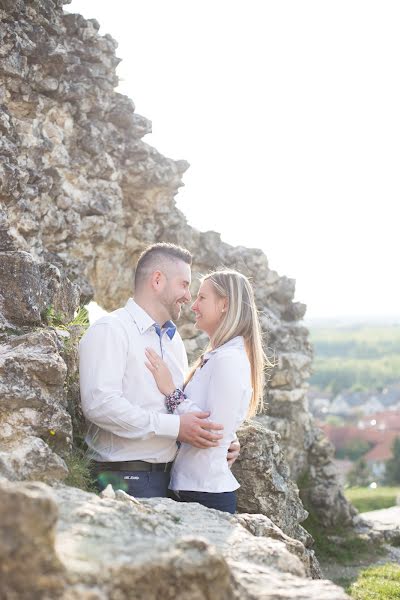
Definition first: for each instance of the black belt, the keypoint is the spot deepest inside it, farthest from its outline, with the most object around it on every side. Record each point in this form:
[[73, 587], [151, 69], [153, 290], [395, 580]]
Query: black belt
[[132, 465]]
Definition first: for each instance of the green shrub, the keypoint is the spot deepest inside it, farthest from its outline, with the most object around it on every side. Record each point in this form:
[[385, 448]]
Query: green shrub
[[353, 449], [339, 544]]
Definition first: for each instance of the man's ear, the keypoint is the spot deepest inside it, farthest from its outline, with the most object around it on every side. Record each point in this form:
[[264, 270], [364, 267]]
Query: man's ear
[[156, 280]]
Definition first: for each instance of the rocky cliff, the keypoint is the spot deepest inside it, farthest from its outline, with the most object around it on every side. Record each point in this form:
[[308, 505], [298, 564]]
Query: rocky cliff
[[81, 195], [82, 191]]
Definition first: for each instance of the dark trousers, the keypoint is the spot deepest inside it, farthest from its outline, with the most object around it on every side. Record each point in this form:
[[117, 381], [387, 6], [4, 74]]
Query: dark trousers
[[141, 484], [225, 501], [151, 484]]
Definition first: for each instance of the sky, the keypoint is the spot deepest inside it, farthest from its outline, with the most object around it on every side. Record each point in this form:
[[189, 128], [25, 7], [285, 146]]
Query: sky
[[288, 113]]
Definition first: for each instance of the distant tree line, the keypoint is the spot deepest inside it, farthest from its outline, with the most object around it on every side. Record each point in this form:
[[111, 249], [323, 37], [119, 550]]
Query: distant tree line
[[356, 358]]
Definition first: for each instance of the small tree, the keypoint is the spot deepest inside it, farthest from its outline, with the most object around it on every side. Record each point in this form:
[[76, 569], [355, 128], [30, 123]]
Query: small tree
[[353, 449], [360, 474], [392, 474]]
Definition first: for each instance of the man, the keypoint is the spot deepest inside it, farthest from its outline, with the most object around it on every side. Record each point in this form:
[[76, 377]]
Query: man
[[131, 437]]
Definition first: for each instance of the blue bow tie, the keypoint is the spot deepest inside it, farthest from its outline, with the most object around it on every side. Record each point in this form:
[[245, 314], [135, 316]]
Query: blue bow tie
[[169, 327]]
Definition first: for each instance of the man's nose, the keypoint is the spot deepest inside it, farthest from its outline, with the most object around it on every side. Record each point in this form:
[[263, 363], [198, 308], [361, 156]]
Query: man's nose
[[188, 296]]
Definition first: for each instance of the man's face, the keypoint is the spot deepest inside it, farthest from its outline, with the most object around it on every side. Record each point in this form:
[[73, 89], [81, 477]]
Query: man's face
[[176, 291]]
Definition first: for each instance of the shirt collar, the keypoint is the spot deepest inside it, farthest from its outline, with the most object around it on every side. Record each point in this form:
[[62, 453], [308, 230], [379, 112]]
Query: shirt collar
[[169, 328], [144, 321], [236, 342]]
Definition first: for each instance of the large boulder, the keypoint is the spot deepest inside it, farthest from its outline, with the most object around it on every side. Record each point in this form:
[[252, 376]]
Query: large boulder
[[77, 546]]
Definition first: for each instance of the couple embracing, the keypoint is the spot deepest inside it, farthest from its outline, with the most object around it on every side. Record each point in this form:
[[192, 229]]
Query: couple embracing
[[156, 428]]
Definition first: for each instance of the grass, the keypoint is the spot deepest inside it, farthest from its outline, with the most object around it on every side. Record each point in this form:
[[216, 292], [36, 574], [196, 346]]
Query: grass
[[79, 474], [377, 583], [340, 545], [366, 499]]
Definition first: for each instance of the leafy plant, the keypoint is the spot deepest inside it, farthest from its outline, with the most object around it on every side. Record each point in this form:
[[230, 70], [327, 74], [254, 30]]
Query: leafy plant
[[53, 318]]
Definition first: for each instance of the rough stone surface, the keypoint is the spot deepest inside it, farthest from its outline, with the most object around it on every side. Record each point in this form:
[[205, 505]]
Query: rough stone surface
[[385, 521], [30, 290], [78, 546], [263, 475], [35, 426]]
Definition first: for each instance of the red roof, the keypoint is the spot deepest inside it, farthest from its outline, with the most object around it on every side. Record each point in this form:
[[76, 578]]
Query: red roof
[[390, 419], [381, 435], [340, 436], [383, 450]]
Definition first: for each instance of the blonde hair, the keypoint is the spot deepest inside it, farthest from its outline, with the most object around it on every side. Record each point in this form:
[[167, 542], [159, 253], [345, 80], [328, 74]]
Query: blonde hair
[[241, 318]]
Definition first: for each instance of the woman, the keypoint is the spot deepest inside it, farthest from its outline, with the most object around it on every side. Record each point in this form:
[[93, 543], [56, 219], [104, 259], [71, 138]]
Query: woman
[[227, 381]]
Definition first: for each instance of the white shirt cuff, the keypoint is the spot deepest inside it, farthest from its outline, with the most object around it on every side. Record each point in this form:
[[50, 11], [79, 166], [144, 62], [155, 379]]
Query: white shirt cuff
[[168, 425]]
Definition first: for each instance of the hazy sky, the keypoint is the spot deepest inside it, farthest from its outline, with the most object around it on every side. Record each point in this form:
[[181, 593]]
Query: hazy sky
[[289, 113]]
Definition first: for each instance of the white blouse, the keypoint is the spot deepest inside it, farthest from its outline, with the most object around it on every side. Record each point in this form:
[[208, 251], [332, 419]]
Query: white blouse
[[223, 387]]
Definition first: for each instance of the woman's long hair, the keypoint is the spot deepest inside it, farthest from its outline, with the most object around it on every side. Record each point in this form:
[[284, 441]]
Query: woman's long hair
[[241, 318]]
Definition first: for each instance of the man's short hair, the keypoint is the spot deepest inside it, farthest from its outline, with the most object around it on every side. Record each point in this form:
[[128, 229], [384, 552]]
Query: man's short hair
[[153, 257]]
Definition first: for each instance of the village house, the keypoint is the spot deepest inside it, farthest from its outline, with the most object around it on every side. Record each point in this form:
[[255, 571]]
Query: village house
[[378, 430]]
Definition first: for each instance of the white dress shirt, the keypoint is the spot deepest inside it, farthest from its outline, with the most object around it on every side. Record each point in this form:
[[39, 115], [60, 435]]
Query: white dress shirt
[[120, 399], [223, 387]]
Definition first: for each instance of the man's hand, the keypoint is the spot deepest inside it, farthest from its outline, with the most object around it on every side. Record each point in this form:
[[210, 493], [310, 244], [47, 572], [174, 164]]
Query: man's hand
[[233, 452], [195, 430]]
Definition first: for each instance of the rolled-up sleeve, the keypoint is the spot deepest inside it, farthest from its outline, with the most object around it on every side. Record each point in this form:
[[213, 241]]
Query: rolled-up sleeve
[[103, 353]]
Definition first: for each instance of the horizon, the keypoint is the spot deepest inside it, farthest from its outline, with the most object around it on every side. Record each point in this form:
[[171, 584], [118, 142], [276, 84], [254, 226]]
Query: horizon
[[337, 321]]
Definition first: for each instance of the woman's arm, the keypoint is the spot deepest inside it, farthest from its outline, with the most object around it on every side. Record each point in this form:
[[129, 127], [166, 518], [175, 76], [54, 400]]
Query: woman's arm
[[163, 378]]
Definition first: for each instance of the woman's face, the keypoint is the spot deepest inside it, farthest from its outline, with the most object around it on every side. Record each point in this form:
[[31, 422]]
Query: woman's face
[[209, 308]]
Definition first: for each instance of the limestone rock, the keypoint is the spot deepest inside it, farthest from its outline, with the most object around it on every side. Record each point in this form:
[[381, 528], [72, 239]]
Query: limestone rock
[[35, 426], [29, 565], [108, 549], [263, 475], [385, 521], [28, 289]]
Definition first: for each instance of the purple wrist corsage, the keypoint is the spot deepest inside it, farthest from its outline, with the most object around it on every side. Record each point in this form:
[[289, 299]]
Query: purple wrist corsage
[[173, 400]]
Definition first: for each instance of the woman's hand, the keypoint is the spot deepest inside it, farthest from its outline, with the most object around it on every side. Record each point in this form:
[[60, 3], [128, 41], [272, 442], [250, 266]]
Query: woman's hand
[[233, 452], [161, 372]]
